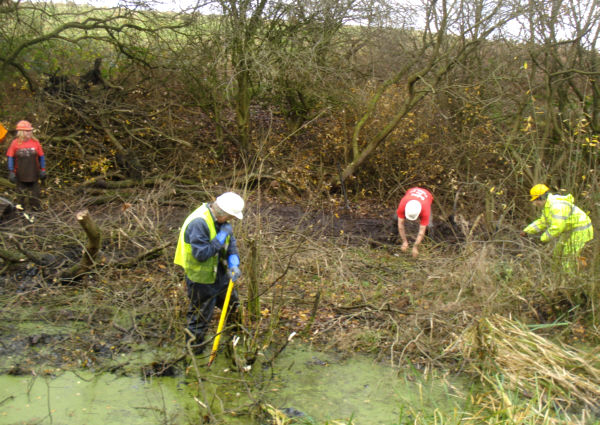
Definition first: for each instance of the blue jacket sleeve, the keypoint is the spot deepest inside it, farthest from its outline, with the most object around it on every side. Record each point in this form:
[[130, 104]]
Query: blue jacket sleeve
[[43, 162], [232, 248], [11, 163], [203, 248]]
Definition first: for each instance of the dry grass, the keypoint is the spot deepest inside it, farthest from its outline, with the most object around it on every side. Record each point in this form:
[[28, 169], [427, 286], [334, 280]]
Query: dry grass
[[531, 363]]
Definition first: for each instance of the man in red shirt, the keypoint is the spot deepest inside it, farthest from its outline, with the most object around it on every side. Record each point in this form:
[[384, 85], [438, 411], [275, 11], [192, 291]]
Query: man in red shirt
[[415, 203], [26, 165]]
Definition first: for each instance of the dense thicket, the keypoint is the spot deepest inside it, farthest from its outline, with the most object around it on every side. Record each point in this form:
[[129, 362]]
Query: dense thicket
[[481, 98]]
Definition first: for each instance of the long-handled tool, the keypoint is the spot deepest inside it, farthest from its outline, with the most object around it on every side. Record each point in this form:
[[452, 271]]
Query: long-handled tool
[[215, 347]]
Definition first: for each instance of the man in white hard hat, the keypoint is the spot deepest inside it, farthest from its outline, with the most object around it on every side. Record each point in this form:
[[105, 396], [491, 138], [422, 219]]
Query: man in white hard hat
[[207, 251], [415, 204]]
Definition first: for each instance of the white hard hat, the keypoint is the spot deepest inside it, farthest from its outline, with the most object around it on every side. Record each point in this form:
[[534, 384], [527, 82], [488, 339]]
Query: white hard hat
[[231, 203], [412, 209]]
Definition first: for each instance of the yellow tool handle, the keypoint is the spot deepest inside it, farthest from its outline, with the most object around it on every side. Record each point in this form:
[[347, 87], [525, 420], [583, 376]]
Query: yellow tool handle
[[213, 354]]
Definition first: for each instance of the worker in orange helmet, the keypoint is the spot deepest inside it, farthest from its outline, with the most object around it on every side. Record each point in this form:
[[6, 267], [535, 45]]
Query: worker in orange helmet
[[26, 165], [415, 204]]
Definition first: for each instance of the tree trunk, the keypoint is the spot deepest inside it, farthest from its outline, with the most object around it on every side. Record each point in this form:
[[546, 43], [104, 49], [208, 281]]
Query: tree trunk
[[243, 109], [91, 249]]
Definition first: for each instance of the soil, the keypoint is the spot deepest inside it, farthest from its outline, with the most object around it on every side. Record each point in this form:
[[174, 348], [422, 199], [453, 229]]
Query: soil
[[356, 228]]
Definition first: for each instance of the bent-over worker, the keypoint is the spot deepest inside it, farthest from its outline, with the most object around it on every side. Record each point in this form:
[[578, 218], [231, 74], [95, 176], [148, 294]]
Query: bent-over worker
[[416, 203], [561, 219]]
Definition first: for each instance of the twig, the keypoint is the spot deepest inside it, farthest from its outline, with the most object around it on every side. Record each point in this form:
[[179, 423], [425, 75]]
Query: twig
[[412, 341], [10, 397]]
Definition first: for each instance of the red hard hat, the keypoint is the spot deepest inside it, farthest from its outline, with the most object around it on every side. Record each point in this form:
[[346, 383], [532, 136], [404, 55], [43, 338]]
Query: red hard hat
[[24, 126]]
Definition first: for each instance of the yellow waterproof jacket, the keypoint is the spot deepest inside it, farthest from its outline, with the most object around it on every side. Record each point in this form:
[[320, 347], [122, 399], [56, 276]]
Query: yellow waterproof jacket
[[197, 271], [560, 215]]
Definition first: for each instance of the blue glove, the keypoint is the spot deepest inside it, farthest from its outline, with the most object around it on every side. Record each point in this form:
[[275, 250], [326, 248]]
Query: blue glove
[[12, 177], [224, 231], [234, 273], [233, 261]]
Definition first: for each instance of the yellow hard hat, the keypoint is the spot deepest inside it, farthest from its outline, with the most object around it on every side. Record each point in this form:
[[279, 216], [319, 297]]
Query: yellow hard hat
[[537, 191]]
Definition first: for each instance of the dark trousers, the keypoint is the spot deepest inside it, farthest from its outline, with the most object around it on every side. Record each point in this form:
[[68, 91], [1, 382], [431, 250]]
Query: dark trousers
[[203, 299], [28, 194]]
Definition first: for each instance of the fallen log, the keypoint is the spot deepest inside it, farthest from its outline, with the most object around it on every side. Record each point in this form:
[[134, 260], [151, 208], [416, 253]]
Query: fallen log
[[6, 183], [35, 257], [12, 256], [102, 183], [144, 256]]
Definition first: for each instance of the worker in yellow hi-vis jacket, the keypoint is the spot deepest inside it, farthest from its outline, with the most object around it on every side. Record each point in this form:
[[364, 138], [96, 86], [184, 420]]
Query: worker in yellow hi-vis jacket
[[207, 251], [561, 219]]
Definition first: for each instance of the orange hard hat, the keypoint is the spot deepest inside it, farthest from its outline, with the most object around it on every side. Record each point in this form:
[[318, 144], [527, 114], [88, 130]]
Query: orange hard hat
[[24, 126]]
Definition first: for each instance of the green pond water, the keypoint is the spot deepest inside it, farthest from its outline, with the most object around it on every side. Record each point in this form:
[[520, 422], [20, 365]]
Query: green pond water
[[320, 385], [357, 388], [88, 399]]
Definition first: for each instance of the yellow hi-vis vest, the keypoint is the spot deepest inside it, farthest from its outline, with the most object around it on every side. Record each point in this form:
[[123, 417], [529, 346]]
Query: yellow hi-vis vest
[[197, 271], [561, 215]]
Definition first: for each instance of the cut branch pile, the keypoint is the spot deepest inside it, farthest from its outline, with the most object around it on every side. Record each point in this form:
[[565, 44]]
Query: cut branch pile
[[531, 363]]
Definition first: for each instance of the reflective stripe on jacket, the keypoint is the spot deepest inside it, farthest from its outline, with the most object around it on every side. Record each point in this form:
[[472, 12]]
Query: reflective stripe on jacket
[[197, 271], [560, 215]]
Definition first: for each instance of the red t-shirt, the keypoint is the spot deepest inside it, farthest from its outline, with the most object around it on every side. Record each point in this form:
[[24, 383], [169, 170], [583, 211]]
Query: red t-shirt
[[424, 197]]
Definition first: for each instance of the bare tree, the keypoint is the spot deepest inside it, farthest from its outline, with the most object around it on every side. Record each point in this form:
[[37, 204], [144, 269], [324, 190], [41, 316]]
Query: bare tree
[[27, 26], [274, 48], [452, 32], [561, 102]]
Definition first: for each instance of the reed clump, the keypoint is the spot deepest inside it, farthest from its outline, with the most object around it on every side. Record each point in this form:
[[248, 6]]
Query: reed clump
[[535, 366]]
